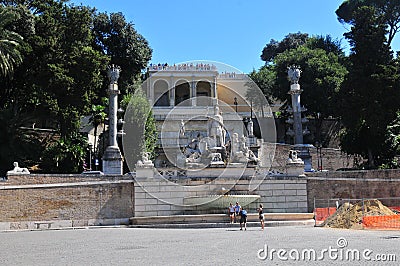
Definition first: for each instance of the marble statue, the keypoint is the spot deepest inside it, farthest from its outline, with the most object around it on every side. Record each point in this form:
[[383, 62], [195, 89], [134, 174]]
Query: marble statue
[[240, 153], [145, 162], [113, 73], [293, 157], [250, 128], [182, 129], [216, 128], [294, 74], [18, 170]]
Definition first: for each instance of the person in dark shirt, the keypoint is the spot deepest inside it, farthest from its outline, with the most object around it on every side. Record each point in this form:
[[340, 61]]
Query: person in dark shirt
[[243, 219], [261, 216]]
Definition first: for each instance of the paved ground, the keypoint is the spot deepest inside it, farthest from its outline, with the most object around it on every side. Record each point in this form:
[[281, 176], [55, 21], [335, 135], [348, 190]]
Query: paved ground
[[218, 246]]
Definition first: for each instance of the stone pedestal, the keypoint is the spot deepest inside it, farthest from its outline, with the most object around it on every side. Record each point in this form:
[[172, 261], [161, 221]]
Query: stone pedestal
[[112, 161], [303, 153], [145, 172], [295, 169]]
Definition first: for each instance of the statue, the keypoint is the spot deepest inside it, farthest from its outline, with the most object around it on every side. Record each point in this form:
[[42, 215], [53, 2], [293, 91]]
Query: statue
[[145, 162], [216, 128], [240, 152], [293, 157], [294, 165], [182, 129], [294, 74], [250, 128], [113, 73], [18, 170], [246, 151], [192, 147]]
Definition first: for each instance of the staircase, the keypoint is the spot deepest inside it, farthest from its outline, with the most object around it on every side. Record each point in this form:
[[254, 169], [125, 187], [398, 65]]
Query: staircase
[[221, 220]]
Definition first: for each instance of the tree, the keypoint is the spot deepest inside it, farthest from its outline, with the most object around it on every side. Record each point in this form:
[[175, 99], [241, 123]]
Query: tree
[[97, 118], [63, 74], [388, 12], [392, 143], [260, 87], [17, 144], [291, 41], [65, 155], [140, 127], [125, 47], [10, 56], [370, 92], [322, 62]]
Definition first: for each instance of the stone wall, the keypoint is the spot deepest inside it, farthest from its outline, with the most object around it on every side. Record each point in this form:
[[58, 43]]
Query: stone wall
[[67, 200], [353, 185], [332, 159], [77, 200]]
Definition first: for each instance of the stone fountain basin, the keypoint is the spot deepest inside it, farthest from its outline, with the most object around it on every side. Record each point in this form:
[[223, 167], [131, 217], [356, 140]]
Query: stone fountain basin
[[220, 201]]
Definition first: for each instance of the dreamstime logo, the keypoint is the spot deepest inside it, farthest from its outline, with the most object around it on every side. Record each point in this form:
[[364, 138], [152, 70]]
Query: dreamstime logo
[[187, 99], [338, 253]]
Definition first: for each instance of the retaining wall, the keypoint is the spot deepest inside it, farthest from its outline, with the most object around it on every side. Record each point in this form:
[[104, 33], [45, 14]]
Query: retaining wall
[[77, 200], [67, 200], [353, 185]]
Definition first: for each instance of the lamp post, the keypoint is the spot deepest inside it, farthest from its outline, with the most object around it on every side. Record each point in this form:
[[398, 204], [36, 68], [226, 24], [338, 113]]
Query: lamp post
[[251, 109], [319, 155], [318, 142], [90, 156], [235, 102]]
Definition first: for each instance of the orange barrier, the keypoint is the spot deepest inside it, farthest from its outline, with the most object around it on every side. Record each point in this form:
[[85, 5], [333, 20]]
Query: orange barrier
[[381, 222], [322, 213]]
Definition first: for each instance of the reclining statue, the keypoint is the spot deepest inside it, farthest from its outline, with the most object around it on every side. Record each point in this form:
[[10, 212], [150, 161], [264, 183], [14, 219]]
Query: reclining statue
[[18, 170]]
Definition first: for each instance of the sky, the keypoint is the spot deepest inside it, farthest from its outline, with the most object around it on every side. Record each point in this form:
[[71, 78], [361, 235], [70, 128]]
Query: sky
[[232, 32]]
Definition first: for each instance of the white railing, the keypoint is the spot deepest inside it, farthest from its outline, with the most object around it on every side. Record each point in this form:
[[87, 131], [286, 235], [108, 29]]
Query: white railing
[[183, 67]]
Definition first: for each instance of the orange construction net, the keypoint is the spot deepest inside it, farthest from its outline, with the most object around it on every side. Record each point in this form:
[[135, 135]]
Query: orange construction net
[[381, 222], [322, 213]]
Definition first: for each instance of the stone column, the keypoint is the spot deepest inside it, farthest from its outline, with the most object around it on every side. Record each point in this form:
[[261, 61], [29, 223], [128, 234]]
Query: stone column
[[193, 91], [214, 91], [295, 92], [112, 158], [172, 92]]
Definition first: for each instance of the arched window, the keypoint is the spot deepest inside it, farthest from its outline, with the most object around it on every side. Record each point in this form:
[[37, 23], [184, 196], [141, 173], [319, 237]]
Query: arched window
[[161, 93], [182, 93], [203, 92]]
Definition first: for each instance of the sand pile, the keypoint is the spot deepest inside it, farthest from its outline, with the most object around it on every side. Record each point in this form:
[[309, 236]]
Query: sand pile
[[349, 216]]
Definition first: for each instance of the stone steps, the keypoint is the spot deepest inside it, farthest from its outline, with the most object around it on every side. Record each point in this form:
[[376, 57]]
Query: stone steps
[[226, 225], [221, 220]]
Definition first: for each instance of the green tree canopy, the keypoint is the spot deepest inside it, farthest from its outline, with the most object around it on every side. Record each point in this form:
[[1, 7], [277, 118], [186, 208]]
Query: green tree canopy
[[125, 47], [140, 127], [10, 56], [291, 41], [322, 62], [65, 52], [369, 95], [388, 12]]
